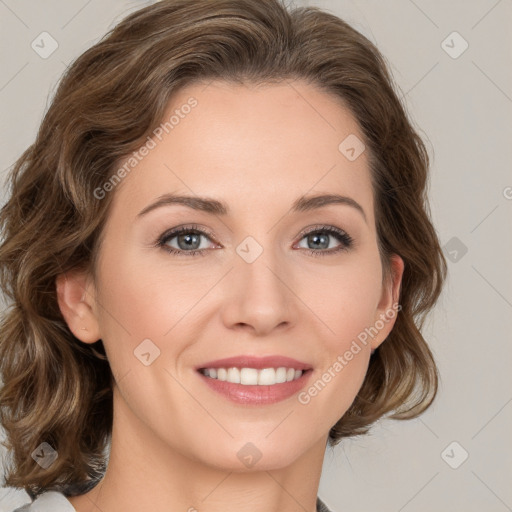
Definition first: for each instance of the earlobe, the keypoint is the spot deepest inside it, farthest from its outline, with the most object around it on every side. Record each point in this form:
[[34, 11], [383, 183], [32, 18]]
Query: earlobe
[[75, 296], [388, 308]]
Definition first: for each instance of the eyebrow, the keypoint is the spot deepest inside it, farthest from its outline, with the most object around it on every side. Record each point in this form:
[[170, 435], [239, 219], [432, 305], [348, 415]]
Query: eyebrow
[[213, 206]]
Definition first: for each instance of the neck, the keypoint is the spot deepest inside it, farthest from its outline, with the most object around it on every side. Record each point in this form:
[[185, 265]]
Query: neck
[[146, 473]]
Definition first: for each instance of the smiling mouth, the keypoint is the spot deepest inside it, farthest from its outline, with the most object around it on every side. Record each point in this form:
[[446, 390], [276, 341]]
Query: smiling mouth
[[253, 376]]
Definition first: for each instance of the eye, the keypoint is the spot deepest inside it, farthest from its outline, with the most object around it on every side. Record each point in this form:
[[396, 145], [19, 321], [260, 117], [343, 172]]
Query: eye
[[318, 237], [188, 239]]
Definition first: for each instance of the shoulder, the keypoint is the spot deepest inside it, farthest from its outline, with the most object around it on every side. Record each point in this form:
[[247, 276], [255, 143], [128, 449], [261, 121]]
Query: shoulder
[[51, 501], [321, 506]]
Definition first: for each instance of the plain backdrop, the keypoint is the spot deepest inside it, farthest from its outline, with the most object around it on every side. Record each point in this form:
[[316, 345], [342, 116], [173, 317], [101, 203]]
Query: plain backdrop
[[453, 63]]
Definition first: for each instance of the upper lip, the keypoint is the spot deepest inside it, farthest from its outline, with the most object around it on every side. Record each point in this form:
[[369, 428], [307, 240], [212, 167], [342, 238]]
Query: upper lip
[[246, 361]]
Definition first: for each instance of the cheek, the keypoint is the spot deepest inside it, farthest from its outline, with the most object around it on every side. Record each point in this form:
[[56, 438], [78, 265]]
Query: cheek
[[344, 300], [348, 309], [141, 300], [139, 296]]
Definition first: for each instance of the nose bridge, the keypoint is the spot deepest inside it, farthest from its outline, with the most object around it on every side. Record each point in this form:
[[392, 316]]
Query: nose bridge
[[260, 296]]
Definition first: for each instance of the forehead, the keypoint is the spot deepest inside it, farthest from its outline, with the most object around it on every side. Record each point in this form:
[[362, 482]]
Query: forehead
[[249, 144]]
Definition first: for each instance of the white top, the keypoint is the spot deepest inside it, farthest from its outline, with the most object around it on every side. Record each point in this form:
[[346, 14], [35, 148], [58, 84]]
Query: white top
[[53, 501], [50, 501]]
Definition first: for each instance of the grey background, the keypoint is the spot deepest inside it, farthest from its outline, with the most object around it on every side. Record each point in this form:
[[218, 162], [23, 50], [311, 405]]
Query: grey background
[[463, 108]]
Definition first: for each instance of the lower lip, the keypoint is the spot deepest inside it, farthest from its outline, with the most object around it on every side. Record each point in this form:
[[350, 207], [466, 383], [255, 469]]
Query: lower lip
[[257, 395]]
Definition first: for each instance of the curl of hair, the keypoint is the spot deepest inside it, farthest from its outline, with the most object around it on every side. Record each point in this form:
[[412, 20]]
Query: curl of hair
[[58, 390]]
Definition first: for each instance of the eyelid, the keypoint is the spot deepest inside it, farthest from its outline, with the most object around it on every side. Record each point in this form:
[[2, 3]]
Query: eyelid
[[321, 227], [346, 241], [171, 233]]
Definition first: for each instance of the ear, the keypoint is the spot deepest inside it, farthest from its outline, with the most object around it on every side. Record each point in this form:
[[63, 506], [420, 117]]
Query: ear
[[388, 307], [76, 298]]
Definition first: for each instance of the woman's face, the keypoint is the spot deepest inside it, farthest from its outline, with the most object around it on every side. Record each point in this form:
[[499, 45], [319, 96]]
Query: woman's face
[[259, 285]]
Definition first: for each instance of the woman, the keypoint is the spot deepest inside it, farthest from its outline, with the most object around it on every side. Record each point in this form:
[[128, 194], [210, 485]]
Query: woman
[[219, 257]]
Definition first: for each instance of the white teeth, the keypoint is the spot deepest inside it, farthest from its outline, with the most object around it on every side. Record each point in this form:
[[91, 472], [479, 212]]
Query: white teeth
[[249, 376], [266, 377], [233, 375], [280, 375], [252, 376]]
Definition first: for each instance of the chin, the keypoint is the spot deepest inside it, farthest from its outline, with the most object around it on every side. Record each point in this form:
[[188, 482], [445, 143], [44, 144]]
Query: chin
[[255, 453]]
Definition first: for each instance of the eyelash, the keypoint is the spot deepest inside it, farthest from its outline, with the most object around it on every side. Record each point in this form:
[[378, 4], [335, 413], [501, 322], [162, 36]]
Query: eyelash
[[343, 237]]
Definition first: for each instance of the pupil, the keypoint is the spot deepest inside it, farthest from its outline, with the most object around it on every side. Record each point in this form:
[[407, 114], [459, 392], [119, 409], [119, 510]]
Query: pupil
[[188, 238], [316, 239]]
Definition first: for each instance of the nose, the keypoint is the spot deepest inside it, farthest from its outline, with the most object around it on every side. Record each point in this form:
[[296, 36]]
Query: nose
[[260, 297]]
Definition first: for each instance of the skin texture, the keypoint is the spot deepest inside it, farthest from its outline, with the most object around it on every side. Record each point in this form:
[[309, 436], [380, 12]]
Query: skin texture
[[175, 441]]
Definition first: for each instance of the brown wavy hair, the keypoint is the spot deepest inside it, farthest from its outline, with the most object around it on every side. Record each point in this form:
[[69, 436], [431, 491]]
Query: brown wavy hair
[[57, 389]]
